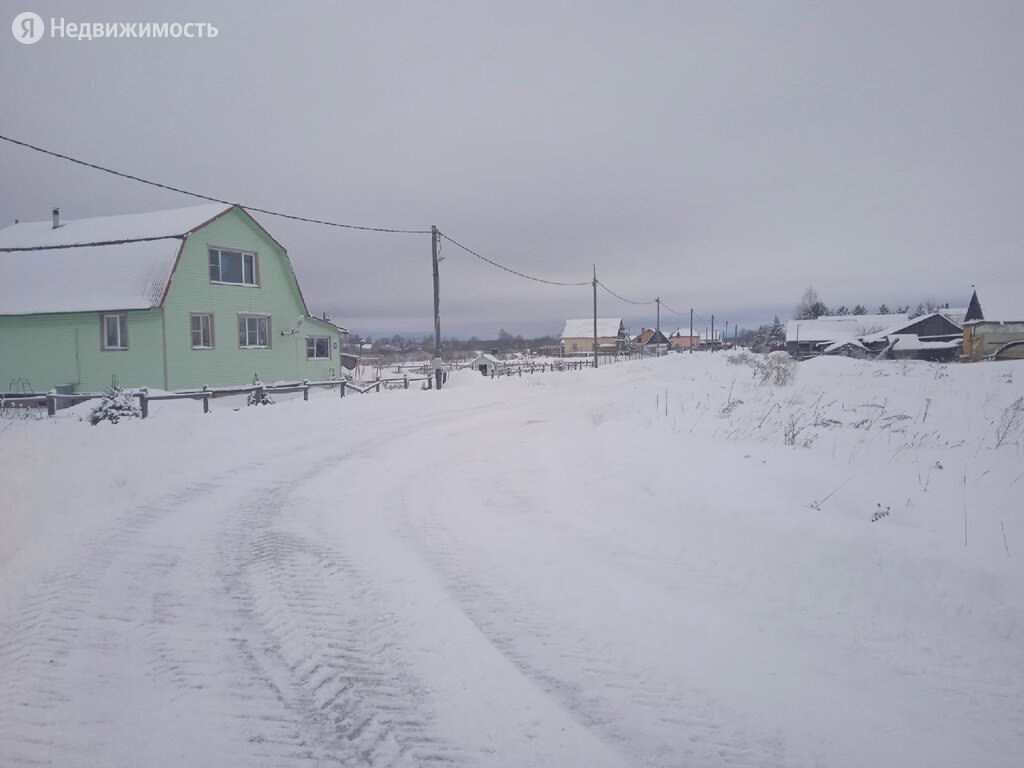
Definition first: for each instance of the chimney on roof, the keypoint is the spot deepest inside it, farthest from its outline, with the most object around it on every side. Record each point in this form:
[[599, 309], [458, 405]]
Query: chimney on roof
[[56, 217]]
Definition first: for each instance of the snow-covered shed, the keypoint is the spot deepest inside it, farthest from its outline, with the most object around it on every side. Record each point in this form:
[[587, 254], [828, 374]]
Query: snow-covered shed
[[486, 363], [169, 300]]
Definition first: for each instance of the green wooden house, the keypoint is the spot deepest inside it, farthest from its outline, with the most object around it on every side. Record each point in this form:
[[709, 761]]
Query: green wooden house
[[168, 300]]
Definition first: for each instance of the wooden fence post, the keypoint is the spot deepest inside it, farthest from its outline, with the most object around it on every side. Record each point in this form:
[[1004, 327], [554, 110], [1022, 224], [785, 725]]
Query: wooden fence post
[[305, 390], [341, 389], [51, 405], [206, 400], [377, 388], [143, 402], [405, 381]]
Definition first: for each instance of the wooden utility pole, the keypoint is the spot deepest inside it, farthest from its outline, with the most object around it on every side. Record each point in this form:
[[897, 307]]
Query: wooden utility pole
[[712, 333], [595, 316], [691, 330], [437, 308], [657, 327]]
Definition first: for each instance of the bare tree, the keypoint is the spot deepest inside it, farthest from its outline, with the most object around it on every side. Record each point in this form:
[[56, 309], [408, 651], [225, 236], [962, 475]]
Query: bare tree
[[810, 306]]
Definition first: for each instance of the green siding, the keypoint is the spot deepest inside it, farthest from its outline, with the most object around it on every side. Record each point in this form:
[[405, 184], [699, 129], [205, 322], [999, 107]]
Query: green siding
[[65, 349], [277, 296]]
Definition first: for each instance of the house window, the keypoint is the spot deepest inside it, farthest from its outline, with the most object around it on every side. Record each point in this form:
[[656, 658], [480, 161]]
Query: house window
[[318, 348], [253, 331], [202, 331], [115, 330], [233, 267]]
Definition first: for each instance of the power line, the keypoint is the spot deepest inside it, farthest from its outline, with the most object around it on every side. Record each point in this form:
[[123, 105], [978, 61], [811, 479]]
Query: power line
[[208, 197], [623, 298], [666, 306], [507, 269]]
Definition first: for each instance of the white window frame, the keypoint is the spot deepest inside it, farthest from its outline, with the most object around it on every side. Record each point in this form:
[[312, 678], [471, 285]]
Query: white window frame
[[252, 331], [200, 316], [121, 318], [250, 267], [314, 339]]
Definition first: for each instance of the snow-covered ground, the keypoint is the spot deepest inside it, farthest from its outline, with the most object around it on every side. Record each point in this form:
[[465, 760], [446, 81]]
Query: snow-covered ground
[[658, 563]]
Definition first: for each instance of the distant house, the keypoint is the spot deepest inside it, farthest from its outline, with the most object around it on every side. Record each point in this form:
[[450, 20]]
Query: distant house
[[711, 340], [812, 337], [170, 300], [487, 364], [682, 340], [652, 339], [932, 337], [578, 336], [994, 320]]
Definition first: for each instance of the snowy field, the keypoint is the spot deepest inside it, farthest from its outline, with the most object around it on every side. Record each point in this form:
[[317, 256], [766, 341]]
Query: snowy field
[[658, 563]]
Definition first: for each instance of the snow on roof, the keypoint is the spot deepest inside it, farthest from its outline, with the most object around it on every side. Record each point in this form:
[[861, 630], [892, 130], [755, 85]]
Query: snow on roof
[[1002, 302], [488, 357], [839, 327], [839, 344], [956, 314], [907, 341], [173, 223], [99, 277], [894, 330], [584, 329]]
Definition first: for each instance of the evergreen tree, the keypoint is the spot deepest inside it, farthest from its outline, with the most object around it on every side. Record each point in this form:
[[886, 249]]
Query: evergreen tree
[[776, 334]]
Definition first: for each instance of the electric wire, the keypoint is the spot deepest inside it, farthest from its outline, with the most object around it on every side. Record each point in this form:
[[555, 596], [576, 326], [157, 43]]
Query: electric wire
[[293, 217], [209, 198], [674, 312], [623, 298], [507, 269]]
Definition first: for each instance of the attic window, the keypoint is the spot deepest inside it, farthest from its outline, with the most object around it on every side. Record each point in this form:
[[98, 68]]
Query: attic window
[[233, 267]]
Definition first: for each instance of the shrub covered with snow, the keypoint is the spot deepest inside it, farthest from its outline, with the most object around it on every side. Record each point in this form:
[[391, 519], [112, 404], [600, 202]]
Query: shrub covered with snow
[[775, 368], [259, 396], [116, 404]]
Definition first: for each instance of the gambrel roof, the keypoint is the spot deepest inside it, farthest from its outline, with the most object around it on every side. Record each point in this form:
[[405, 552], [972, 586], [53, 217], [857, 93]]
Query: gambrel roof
[[62, 275]]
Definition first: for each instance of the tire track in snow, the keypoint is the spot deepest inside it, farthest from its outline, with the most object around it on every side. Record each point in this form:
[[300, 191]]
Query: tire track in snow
[[327, 651], [153, 622]]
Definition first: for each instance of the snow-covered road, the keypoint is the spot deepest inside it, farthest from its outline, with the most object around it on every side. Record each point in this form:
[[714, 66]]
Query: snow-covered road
[[559, 571]]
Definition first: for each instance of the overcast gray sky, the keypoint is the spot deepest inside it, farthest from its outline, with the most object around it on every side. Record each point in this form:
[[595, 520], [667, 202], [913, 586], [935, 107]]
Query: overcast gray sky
[[720, 155]]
